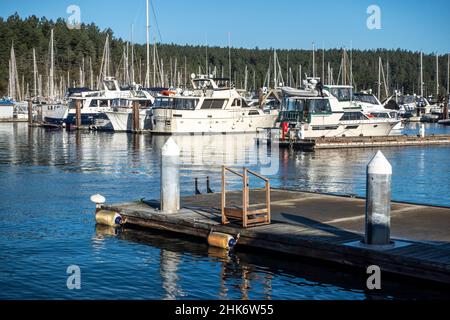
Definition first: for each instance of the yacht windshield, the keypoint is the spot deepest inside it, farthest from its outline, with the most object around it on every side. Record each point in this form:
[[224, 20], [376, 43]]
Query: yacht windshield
[[366, 98], [299, 110], [342, 94], [175, 103], [309, 105]]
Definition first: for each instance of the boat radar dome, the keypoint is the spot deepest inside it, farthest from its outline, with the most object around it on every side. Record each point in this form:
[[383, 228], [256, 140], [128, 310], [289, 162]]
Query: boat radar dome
[[193, 76], [98, 199]]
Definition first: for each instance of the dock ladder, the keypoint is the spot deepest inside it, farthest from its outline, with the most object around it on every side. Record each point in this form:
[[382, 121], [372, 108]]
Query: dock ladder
[[250, 215]]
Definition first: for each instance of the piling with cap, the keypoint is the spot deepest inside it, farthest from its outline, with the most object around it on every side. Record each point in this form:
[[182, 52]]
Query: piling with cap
[[170, 177], [378, 201], [422, 130]]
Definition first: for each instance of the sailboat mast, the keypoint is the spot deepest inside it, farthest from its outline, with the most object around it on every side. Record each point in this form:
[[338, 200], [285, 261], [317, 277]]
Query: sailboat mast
[[421, 74], [314, 59], [91, 73], [52, 61], [437, 76], [387, 79], [275, 69], [379, 78], [34, 72], [323, 63], [229, 57], [245, 78], [132, 54], [147, 74], [154, 62], [448, 75]]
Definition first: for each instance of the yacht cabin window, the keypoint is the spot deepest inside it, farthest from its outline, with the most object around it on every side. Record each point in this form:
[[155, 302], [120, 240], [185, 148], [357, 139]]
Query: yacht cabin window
[[380, 115], [213, 104], [175, 103], [349, 116], [119, 103], [240, 103]]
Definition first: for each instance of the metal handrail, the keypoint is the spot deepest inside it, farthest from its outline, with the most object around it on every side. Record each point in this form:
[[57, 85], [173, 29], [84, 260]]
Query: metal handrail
[[245, 193]]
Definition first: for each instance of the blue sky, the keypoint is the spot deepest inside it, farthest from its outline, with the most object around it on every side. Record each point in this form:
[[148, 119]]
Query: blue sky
[[407, 24]]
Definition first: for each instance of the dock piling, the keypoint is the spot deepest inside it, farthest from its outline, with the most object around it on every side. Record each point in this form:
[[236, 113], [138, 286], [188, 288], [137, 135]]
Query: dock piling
[[30, 112], [135, 116], [378, 201], [422, 130], [78, 114], [170, 177]]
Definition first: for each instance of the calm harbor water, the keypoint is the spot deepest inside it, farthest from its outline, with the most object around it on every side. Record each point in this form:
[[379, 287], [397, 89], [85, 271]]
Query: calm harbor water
[[47, 223]]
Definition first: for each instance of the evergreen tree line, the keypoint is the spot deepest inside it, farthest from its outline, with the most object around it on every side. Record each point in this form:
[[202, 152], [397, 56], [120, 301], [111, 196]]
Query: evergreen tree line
[[72, 45]]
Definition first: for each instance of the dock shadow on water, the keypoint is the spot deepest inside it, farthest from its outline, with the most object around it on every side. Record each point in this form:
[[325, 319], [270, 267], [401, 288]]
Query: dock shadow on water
[[253, 274]]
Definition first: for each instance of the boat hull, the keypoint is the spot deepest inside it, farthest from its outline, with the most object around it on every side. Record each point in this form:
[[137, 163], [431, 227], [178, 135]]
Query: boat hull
[[176, 122], [54, 114], [122, 121], [87, 119]]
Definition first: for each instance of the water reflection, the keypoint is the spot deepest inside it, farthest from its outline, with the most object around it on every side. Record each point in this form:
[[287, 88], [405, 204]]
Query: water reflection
[[257, 275]]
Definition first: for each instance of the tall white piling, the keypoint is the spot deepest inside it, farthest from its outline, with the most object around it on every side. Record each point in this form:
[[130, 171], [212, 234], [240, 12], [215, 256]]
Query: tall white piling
[[170, 177], [422, 130], [378, 201]]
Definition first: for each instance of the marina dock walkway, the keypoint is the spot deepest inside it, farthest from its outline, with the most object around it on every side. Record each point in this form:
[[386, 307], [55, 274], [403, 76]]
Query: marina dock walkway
[[319, 226]]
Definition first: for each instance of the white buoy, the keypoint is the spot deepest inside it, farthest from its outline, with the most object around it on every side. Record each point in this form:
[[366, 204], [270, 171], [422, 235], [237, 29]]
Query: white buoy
[[378, 201], [98, 199], [170, 177]]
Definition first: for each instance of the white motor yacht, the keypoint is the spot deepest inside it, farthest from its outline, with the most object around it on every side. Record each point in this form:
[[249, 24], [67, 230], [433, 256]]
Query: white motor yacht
[[321, 114], [211, 107]]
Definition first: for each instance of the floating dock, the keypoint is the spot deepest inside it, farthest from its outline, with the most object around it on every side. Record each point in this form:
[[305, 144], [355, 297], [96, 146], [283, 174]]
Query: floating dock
[[12, 120], [365, 142], [312, 225]]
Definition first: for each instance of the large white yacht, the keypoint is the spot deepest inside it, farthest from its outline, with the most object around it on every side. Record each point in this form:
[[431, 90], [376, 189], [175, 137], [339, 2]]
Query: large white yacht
[[213, 106], [321, 114]]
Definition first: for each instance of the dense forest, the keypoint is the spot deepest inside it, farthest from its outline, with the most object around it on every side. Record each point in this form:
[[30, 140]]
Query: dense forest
[[72, 46]]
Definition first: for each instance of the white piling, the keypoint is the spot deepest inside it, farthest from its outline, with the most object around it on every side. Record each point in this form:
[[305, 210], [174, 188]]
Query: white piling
[[422, 130], [170, 177], [378, 201]]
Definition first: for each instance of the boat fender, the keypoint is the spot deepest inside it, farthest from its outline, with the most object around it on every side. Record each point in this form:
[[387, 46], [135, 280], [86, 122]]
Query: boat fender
[[108, 218], [222, 240]]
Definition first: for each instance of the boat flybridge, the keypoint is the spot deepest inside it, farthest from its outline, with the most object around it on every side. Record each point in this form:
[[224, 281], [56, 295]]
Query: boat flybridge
[[314, 113], [213, 106]]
